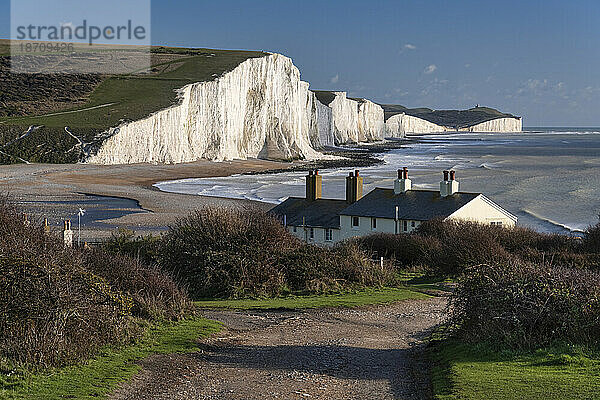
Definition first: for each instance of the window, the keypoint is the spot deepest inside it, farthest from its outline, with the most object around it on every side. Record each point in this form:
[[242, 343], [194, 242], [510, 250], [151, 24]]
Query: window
[[355, 221], [311, 233], [373, 223], [328, 235], [412, 224], [405, 225]]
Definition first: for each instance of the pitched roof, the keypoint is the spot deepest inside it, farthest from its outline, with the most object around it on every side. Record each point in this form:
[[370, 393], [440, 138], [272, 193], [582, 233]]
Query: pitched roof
[[419, 205], [322, 213]]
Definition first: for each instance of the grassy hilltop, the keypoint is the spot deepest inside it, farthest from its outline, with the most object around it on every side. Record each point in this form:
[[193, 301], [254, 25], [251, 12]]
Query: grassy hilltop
[[90, 104]]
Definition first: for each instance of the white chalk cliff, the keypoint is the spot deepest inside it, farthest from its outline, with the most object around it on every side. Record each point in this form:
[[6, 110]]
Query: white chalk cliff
[[259, 109], [498, 125], [356, 120], [400, 125]]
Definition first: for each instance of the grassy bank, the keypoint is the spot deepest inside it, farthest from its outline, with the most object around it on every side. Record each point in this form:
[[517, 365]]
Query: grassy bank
[[466, 372], [352, 299], [100, 375]]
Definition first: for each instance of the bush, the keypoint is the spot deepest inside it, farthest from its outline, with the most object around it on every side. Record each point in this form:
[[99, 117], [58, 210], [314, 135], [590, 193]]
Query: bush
[[241, 252], [591, 240], [313, 269], [527, 306], [60, 305], [153, 292], [446, 248]]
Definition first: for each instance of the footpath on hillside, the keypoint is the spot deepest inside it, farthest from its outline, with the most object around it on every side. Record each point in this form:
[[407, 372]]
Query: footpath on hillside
[[375, 352]]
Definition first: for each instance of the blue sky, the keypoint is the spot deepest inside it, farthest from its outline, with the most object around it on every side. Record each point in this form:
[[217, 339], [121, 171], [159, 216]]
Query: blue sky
[[538, 59]]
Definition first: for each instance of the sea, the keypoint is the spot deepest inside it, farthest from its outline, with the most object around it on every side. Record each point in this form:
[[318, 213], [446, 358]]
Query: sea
[[548, 177]]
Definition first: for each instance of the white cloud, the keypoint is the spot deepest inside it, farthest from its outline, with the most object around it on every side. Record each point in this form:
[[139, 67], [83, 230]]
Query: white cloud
[[335, 79], [467, 65], [430, 69], [410, 46]]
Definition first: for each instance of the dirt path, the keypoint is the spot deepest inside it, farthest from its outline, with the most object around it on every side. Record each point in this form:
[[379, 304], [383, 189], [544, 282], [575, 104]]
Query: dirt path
[[364, 353]]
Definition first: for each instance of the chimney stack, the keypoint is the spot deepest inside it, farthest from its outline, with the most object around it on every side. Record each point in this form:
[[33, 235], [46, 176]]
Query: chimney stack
[[403, 184], [67, 234], [449, 185], [354, 187], [314, 184]]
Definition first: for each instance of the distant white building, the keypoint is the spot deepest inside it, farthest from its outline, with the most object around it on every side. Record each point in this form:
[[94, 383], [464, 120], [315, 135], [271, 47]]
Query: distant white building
[[398, 210]]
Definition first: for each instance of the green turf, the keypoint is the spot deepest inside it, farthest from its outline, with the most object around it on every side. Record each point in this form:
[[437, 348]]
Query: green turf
[[138, 96], [97, 377], [467, 372], [354, 299], [122, 97]]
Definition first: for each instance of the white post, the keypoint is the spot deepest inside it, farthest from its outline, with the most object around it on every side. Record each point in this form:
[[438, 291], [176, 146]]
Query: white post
[[79, 230], [79, 215], [396, 221]]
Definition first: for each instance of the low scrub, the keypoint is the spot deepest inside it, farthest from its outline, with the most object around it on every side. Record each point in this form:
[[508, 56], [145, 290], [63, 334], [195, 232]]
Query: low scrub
[[244, 252], [524, 305], [447, 248], [60, 305]]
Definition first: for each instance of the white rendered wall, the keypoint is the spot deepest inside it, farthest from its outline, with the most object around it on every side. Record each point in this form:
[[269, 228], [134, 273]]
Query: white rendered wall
[[481, 211], [384, 225], [303, 234]]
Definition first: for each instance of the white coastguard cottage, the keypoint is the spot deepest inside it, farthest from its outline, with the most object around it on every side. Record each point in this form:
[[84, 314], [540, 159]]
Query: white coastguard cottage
[[398, 210]]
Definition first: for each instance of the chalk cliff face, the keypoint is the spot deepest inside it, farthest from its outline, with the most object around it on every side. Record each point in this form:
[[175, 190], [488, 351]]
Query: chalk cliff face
[[394, 127], [400, 125], [499, 125], [371, 126], [321, 128], [260, 109], [356, 121]]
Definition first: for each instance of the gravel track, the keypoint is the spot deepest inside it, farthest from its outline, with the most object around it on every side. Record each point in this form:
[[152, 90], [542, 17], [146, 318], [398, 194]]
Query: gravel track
[[374, 352]]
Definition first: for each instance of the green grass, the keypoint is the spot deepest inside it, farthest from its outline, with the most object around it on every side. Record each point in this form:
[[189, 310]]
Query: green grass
[[466, 372], [132, 97], [353, 299], [97, 377], [138, 96]]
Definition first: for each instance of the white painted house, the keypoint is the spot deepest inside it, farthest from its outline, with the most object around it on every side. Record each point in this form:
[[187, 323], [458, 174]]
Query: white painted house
[[398, 210]]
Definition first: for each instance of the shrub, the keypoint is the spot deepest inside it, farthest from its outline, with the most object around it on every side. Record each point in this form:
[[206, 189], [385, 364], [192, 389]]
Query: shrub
[[54, 312], [591, 240], [446, 248], [525, 305], [60, 305], [320, 270], [241, 252], [227, 252], [142, 248], [153, 292]]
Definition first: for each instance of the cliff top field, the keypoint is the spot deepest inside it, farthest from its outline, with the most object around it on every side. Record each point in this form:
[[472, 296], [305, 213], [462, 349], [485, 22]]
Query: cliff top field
[[90, 104], [450, 118]]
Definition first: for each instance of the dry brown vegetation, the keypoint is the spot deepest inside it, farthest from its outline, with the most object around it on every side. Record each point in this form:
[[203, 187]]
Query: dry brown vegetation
[[243, 252], [60, 305]]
